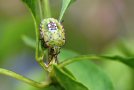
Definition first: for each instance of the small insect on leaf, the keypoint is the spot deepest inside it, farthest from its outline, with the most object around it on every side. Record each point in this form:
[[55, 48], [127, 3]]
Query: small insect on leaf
[[52, 33]]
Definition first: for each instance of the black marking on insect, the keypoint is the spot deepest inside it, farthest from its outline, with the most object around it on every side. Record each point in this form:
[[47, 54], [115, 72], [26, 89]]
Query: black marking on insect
[[52, 26], [62, 21], [62, 24], [41, 32], [43, 44], [52, 31]]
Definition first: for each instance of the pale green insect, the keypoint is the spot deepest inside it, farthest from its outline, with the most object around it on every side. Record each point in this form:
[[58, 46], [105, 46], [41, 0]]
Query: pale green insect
[[52, 37], [52, 33]]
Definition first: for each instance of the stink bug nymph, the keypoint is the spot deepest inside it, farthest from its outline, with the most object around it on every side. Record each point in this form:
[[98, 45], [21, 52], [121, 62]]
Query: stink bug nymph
[[52, 33], [52, 36]]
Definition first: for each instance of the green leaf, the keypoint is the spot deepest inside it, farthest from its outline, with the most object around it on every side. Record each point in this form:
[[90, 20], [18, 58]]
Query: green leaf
[[68, 72], [88, 73], [121, 48], [122, 51], [66, 81], [65, 5], [36, 11], [33, 6], [121, 75], [126, 60]]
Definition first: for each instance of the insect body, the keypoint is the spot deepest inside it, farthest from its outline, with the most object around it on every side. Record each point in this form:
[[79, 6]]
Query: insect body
[[52, 32], [52, 37]]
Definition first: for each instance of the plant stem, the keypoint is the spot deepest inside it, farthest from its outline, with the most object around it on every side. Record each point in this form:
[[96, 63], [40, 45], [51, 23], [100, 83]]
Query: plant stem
[[40, 9], [24, 79], [46, 8], [47, 11], [93, 57], [40, 58], [78, 58]]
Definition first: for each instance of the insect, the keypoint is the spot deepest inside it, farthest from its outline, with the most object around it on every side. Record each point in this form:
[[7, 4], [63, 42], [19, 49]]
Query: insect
[[52, 32], [52, 36]]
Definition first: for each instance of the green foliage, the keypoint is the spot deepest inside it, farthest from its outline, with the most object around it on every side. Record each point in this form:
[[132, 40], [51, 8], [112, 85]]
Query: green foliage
[[33, 6], [81, 75], [126, 60], [11, 35], [65, 5], [66, 81], [121, 51], [87, 73], [119, 57]]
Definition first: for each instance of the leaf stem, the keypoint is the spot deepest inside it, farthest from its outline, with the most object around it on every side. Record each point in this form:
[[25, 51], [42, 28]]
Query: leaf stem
[[40, 9], [39, 59], [94, 57], [78, 58], [47, 11], [24, 79]]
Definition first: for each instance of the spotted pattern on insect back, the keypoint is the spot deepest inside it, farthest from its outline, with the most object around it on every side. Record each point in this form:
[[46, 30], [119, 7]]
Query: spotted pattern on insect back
[[52, 32], [52, 26]]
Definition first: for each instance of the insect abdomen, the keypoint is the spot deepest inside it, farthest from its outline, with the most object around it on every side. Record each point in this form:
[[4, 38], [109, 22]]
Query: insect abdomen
[[52, 32]]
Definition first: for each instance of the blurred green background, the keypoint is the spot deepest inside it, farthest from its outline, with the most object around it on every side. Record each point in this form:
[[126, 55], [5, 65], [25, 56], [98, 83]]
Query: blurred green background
[[92, 27]]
